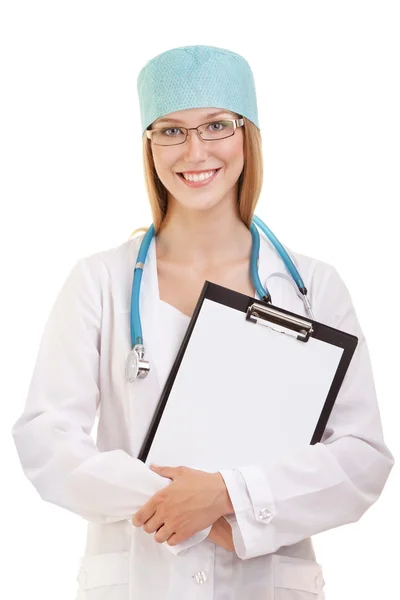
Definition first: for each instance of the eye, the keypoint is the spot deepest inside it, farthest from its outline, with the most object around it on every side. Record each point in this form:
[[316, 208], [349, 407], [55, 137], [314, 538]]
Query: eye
[[219, 125], [167, 129]]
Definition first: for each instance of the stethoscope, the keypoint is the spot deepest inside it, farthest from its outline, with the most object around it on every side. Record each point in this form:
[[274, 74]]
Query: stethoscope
[[136, 366]]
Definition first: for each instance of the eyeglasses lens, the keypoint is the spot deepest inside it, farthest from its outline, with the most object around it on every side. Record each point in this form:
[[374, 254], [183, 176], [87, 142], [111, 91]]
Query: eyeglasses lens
[[169, 136]]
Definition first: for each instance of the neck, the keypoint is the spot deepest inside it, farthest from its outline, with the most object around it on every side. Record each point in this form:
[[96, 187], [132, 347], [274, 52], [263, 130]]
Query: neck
[[204, 238]]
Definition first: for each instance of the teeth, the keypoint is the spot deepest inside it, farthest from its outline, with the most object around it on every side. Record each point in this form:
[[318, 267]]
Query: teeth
[[198, 177]]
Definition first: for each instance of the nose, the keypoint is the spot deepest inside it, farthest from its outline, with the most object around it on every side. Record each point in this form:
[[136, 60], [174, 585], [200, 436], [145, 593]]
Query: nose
[[195, 149]]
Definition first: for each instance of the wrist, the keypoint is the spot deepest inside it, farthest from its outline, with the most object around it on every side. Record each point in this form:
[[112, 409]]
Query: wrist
[[225, 499]]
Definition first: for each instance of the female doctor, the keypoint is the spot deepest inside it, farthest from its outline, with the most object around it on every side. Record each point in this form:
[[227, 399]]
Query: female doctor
[[172, 533]]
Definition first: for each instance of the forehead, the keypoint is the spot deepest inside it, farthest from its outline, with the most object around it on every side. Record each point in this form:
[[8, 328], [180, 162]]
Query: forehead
[[195, 115]]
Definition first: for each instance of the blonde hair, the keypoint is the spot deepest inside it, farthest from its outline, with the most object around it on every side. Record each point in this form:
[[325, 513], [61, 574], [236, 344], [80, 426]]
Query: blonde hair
[[249, 183]]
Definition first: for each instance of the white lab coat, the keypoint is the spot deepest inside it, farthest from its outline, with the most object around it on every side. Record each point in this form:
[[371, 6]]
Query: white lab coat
[[80, 372]]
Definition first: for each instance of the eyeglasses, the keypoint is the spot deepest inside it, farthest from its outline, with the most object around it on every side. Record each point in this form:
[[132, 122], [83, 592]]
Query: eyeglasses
[[216, 130]]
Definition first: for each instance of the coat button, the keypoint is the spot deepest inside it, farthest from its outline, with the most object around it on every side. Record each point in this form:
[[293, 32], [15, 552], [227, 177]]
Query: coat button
[[265, 515], [319, 582], [82, 578], [200, 577]]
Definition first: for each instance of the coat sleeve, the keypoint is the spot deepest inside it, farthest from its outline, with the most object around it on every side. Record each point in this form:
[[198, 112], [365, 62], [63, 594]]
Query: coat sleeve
[[327, 484], [53, 434]]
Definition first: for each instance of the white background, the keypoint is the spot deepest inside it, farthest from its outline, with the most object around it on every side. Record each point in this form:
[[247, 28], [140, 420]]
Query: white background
[[327, 79]]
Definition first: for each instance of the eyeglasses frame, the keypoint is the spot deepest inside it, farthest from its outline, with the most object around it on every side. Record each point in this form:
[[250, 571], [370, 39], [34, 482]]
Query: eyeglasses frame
[[236, 123]]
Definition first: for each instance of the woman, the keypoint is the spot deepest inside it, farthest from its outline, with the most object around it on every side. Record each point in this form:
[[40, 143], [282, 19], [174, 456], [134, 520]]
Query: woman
[[163, 532]]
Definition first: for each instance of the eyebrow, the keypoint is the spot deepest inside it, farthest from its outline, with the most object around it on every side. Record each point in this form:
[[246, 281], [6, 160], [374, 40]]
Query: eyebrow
[[209, 116]]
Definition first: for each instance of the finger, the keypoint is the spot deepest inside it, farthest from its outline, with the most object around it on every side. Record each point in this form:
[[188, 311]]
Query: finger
[[143, 514], [173, 540], [168, 472], [163, 534], [153, 524]]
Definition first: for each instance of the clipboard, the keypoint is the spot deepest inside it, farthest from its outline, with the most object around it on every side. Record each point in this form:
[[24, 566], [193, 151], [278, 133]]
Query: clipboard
[[250, 381]]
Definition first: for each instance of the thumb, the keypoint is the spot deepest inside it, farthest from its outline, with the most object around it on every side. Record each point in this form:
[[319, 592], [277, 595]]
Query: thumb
[[169, 472]]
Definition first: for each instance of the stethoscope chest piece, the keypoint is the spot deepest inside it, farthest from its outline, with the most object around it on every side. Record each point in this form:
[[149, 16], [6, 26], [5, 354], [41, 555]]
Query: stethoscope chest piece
[[135, 365]]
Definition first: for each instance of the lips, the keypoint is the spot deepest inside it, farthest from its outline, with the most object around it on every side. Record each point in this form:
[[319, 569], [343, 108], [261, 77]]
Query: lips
[[199, 172], [200, 183]]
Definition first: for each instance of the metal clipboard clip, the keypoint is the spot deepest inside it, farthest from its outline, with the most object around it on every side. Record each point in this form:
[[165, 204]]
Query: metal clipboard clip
[[278, 321]]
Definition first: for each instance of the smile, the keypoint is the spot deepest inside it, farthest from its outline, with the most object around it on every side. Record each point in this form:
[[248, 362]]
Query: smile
[[199, 180]]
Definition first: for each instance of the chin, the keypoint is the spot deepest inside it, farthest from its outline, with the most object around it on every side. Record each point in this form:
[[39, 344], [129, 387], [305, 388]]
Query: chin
[[201, 203]]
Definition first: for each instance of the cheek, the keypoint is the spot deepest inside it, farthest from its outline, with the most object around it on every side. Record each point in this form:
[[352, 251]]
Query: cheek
[[158, 162], [163, 161], [235, 153], [236, 158]]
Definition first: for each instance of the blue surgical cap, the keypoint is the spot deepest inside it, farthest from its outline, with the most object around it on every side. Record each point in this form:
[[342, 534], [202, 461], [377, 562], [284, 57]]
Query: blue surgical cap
[[196, 77]]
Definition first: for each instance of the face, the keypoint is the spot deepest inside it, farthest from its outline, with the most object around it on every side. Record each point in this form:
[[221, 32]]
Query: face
[[198, 155]]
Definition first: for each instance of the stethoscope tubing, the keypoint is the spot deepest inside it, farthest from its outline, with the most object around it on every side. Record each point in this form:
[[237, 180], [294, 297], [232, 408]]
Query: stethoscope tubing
[[136, 326], [283, 254], [135, 322]]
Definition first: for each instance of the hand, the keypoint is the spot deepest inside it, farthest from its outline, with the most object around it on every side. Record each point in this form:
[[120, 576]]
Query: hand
[[193, 501], [221, 534]]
